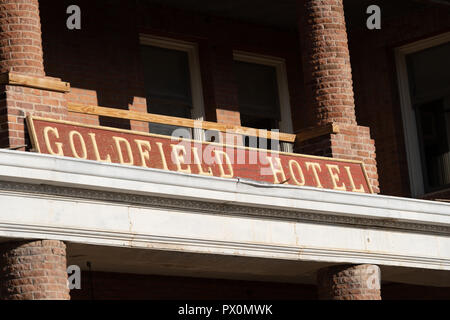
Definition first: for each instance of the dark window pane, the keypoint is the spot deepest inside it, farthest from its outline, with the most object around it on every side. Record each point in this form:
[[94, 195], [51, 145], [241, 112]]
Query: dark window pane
[[429, 80], [257, 90], [258, 101], [433, 124], [166, 74], [429, 73], [167, 85]]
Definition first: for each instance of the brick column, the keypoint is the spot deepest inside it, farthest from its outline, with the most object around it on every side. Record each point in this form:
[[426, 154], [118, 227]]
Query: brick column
[[326, 61], [329, 87], [24, 88], [20, 37], [346, 282], [34, 270]]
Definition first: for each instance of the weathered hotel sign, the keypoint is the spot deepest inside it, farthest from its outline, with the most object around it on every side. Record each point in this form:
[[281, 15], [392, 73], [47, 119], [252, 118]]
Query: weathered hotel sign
[[182, 155]]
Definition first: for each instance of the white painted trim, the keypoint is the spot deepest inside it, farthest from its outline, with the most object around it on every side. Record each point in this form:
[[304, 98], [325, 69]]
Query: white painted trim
[[41, 169], [198, 108], [408, 116], [282, 81], [48, 197], [129, 239]]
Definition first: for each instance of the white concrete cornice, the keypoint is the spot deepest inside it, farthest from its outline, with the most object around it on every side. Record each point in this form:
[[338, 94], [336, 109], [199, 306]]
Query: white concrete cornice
[[47, 197], [32, 168]]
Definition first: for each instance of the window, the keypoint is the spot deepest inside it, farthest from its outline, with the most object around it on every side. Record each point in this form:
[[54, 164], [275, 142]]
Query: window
[[172, 81], [263, 94], [258, 95], [433, 123], [424, 83]]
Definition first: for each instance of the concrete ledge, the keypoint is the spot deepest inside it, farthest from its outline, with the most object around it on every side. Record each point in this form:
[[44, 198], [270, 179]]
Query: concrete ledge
[[47, 197], [35, 168]]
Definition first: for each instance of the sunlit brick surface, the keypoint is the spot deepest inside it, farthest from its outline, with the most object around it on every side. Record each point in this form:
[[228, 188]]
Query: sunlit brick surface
[[20, 37], [33, 271], [361, 282]]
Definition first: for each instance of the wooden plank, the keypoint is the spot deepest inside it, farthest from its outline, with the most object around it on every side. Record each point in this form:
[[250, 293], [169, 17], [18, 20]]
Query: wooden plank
[[175, 121], [314, 132], [45, 83]]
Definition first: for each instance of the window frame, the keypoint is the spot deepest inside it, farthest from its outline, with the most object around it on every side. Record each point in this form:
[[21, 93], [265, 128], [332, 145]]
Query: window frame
[[191, 48], [412, 143], [285, 124]]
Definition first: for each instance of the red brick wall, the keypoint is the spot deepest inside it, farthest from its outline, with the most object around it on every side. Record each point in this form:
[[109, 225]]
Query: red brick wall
[[376, 90], [102, 60], [352, 143], [17, 102]]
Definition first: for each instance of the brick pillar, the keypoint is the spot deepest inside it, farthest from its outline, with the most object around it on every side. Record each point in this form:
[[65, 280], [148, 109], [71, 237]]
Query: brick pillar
[[347, 282], [34, 270], [326, 61], [24, 88], [20, 37], [329, 87]]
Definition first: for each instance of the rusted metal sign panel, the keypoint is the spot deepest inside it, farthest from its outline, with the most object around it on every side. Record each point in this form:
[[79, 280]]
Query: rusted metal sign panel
[[188, 156]]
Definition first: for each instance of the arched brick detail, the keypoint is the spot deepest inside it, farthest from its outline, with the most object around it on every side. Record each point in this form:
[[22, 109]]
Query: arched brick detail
[[349, 282], [20, 37], [34, 270]]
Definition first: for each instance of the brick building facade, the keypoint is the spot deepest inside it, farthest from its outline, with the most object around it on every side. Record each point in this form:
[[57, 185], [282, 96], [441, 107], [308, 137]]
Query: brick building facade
[[338, 90]]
